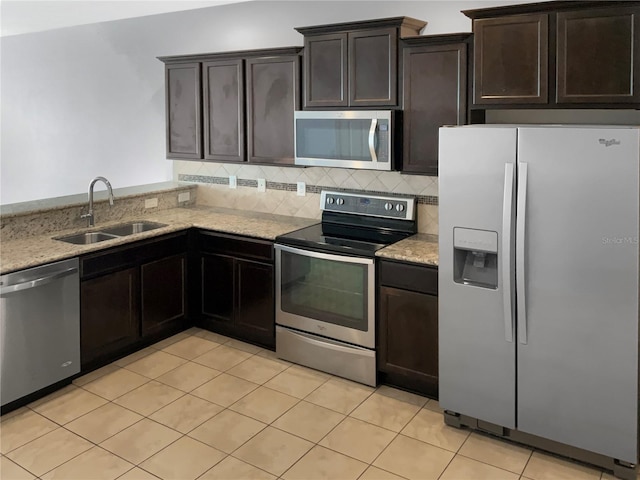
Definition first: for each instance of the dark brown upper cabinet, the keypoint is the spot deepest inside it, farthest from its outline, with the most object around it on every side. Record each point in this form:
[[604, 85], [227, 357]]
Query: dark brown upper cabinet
[[243, 103], [557, 54], [434, 72], [354, 64]]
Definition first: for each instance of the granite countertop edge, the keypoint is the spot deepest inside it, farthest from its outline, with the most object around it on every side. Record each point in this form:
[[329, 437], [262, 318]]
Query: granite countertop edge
[[421, 248]]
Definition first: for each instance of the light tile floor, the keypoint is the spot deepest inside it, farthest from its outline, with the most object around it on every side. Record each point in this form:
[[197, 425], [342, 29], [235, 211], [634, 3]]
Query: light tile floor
[[202, 406]]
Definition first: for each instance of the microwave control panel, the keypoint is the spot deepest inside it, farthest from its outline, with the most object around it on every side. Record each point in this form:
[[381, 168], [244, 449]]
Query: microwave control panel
[[376, 206]]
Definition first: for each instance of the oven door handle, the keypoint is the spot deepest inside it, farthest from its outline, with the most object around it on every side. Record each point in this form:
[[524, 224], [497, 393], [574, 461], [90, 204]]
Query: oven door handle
[[324, 256]]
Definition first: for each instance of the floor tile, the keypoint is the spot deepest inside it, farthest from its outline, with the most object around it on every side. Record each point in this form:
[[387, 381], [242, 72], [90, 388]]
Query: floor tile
[[141, 440], [95, 464], [233, 469], [257, 369], [401, 395], [545, 467], [428, 426], [386, 412], [67, 404], [190, 347], [413, 459], [185, 459], [115, 384], [222, 358], [170, 340], [463, 468], [13, 471], [374, 473], [91, 376], [188, 376], [103, 422], [22, 428], [186, 413], [49, 451], [212, 336], [137, 474], [224, 389], [358, 439], [433, 405], [271, 355], [227, 431], [323, 464], [149, 397], [496, 452], [273, 450], [156, 364], [134, 357], [245, 347], [308, 421], [264, 404], [297, 381], [339, 395]]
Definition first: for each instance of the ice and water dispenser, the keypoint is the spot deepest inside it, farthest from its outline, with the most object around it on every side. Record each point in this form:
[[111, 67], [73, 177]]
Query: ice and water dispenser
[[475, 257]]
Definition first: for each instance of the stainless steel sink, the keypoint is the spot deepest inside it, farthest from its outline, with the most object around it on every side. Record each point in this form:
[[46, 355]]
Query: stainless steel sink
[[86, 238], [110, 233], [131, 228]]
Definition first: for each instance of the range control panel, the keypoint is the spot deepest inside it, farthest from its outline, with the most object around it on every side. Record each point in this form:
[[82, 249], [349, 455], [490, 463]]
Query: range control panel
[[390, 207]]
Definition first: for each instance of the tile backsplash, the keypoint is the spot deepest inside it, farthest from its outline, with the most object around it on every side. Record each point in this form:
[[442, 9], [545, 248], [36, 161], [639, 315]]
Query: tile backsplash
[[280, 196]]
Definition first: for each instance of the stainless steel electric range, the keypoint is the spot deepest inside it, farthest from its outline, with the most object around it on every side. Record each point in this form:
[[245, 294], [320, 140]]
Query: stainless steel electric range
[[325, 282]]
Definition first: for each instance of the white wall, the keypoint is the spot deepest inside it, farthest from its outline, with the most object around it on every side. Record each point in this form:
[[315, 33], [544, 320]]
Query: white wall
[[89, 100]]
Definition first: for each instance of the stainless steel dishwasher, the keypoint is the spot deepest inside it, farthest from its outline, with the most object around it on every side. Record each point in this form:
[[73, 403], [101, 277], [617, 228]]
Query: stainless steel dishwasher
[[40, 328]]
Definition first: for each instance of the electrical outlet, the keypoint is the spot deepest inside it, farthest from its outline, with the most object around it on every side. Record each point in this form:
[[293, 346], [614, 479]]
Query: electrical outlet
[[151, 202], [184, 197], [262, 185], [302, 189], [233, 181]]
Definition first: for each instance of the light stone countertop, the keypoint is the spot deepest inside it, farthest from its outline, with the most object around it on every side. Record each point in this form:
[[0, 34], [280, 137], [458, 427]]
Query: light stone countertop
[[419, 248], [42, 249]]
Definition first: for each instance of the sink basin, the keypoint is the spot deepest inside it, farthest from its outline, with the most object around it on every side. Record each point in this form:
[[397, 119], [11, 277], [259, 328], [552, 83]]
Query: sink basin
[[87, 238], [131, 228]]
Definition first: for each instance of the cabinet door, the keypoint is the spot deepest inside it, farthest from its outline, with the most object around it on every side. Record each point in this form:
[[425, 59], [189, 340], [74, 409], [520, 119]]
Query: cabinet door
[[108, 314], [598, 58], [435, 93], [373, 68], [511, 60], [223, 110], [163, 293], [408, 338], [182, 92], [255, 316], [217, 287], [273, 94], [325, 67]]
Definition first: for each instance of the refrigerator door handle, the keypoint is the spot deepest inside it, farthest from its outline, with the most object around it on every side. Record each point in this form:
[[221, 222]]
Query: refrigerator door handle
[[520, 252], [507, 219]]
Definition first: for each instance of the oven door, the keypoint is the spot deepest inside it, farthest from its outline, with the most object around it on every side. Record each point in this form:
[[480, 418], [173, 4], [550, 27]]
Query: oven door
[[325, 294]]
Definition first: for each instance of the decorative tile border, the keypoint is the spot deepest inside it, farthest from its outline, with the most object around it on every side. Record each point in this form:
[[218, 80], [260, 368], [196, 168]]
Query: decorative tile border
[[292, 187]]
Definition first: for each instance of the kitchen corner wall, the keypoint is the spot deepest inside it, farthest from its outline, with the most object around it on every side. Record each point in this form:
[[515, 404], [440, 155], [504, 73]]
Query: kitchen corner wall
[[281, 198]]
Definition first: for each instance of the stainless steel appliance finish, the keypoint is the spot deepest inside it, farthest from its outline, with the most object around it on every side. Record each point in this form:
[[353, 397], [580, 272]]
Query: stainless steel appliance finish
[[40, 328], [348, 139], [325, 283], [551, 349], [89, 215]]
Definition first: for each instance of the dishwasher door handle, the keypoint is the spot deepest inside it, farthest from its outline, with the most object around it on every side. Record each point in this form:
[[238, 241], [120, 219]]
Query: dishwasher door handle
[[38, 282]]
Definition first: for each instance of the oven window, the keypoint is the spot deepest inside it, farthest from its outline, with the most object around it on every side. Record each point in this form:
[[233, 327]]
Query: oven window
[[326, 290], [339, 139]]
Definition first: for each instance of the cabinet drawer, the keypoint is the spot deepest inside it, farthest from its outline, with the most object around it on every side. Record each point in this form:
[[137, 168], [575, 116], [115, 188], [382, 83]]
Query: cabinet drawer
[[125, 256], [408, 277], [236, 246]]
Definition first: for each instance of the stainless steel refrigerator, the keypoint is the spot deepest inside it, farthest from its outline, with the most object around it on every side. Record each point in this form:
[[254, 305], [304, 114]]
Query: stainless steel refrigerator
[[538, 283]]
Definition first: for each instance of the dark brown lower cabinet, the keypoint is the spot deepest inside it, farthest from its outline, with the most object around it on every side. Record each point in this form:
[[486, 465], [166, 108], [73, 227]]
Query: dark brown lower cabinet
[[109, 314], [237, 287], [408, 327], [163, 288]]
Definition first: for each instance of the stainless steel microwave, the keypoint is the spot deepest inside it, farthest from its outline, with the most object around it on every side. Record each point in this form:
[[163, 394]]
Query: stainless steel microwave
[[348, 139]]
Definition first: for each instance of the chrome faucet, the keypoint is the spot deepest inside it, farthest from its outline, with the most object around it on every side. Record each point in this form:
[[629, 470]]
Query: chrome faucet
[[91, 185]]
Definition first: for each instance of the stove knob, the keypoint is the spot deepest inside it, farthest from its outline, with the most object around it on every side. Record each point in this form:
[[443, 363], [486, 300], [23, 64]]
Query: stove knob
[[400, 207], [340, 201], [388, 206], [330, 200]]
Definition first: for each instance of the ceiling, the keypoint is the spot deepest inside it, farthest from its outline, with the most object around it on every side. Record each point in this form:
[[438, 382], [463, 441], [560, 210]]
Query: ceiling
[[28, 16]]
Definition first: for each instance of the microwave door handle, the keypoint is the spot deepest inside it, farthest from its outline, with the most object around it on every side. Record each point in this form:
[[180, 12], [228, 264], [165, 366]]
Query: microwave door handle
[[372, 136]]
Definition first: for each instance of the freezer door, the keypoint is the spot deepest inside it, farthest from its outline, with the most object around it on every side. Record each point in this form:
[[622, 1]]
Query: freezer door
[[476, 339], [578, 330]]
